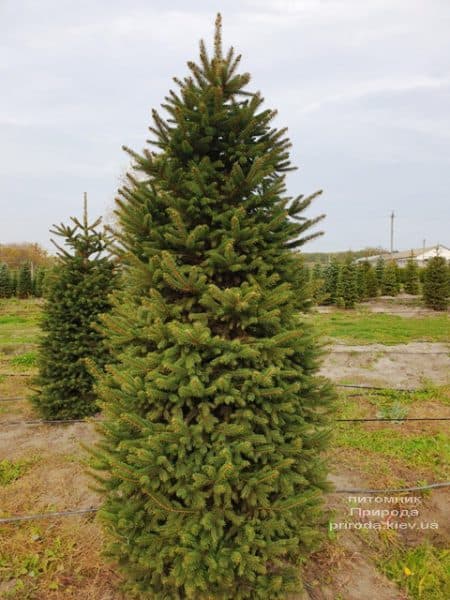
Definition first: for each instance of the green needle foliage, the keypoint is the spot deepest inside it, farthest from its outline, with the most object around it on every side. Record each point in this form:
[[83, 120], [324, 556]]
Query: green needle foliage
[[436, 286], [371, 280], [77, 292], [332, 276], [379, 270], [348, 285], [5, 282], [214, 416], [390, 285], [25, 283], [412, 281]]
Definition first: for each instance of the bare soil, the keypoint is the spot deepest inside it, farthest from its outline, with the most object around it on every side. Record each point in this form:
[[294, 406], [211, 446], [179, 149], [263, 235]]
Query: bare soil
[[404, 365]]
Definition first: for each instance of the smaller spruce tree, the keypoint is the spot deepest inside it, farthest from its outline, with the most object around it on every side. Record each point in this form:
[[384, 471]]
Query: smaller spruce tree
[[25, 282], [76, 295], [38, 282], [436, 285], [379, 270], [361, 282], [13, 282], [317, 284], [390, 285], [411, 276], [349, 285], [371, 280], [5, 282], [331, 276]]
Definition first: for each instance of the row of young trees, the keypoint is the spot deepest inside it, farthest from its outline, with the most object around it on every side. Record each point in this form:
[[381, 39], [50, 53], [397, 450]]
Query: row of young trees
[[22, 282], [345, 284], [214, 416]]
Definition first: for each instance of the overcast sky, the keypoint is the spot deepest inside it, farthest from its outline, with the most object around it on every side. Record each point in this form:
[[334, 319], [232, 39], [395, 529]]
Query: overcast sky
[[364, 87]]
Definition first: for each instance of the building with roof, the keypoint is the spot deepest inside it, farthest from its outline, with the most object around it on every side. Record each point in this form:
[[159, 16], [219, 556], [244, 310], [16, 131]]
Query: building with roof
[[421, 255]]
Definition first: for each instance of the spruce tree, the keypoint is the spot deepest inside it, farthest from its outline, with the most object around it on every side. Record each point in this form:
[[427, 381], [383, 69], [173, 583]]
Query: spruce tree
[[38, 282], [379, 270], [331, 281], [13, 282], [76, 294], [436, 286], [317, 283], [214, 416], [390, 285], [411, 282], [371, 280], [25, 282], [5, 282], [348, 285], [361, 282]]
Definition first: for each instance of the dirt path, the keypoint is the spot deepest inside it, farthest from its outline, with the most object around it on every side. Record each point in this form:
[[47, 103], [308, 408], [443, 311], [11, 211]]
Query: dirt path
[[403, 365]]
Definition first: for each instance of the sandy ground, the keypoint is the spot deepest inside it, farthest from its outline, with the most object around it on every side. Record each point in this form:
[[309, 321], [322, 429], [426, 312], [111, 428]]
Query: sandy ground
[[404, 365]]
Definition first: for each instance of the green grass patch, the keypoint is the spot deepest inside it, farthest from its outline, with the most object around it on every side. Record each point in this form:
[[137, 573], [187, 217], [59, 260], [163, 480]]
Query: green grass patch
[[10, 471], [12, 320], [370, 328], [426, 450], [38, 562], [423, 571], [28, 359]]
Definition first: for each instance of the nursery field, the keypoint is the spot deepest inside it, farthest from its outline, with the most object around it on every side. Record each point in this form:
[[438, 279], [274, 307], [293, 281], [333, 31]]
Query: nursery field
[[400, 350]]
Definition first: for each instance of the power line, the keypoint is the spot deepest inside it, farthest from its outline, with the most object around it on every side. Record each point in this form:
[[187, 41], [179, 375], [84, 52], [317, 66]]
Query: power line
[[398, 419], [93, 509]]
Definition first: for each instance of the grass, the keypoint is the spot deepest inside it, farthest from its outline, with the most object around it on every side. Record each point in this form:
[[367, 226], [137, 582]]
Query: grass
[[426, 450], [11, 471], [56, 561], [369, 328], [423, 571], [391, 454], [19, 321], [28, 359]]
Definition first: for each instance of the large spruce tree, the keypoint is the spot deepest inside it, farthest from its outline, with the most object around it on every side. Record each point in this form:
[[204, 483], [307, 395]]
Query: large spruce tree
[[214, 417], [77, 292]]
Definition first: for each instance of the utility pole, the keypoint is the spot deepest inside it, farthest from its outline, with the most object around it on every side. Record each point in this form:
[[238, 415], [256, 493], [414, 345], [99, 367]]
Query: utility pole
[[392, 232]]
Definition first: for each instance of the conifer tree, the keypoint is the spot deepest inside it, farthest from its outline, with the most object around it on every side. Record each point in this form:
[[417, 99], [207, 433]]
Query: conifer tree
[[317, 284], [390, 285], [371, 280], [379, 270], [361, 282], [5, 282], [25, 282], [436, 286], [411, 282], [38, 282], [339, 293], [331, 281], [214, 416], [349, 286], [13, 282], [76, 294]]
